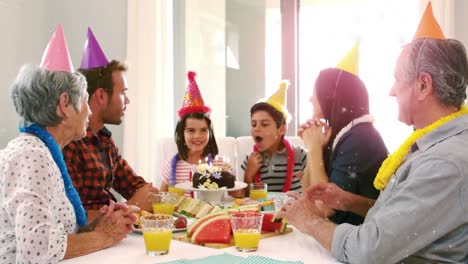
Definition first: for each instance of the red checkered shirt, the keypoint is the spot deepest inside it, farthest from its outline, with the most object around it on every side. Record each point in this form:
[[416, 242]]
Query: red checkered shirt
[[95, 165]]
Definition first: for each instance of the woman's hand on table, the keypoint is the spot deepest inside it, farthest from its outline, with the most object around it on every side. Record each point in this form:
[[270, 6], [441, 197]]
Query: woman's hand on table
[[115, 222]]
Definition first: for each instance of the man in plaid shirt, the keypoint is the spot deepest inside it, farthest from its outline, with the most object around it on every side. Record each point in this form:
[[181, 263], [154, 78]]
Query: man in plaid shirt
[[94, 162]]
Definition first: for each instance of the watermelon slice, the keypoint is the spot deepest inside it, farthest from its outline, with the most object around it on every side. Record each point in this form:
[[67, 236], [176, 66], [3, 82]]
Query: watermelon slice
[[213, 230], [272, 224], [193, 227]]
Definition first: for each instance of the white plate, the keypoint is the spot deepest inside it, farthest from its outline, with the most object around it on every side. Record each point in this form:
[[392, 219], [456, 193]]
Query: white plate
[[174, 230], [188, 186]]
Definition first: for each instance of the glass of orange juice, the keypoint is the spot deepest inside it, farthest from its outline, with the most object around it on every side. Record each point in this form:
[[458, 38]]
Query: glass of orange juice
[[157, 233], [178, 191], [258, 191], [246, 227], [164, 202]]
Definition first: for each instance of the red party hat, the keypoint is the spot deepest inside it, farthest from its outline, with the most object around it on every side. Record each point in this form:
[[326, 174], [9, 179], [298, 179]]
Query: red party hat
[[193, 100]]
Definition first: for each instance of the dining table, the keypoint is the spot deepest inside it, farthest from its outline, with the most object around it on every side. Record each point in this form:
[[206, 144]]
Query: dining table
[[293, 246]]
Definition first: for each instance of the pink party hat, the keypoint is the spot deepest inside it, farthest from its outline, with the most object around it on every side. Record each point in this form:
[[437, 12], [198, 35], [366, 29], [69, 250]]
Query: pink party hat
[[56, 56], [93, 56], [193, 100]]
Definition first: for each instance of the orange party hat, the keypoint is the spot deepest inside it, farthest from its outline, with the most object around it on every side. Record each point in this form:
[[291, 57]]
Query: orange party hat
[[428, 26]]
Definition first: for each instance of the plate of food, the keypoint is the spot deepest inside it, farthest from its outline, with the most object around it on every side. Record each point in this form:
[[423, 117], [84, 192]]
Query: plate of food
[[180, 225]]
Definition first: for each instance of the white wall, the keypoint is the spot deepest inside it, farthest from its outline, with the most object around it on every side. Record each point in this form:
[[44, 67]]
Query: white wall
[[205, 25], [27, 25]]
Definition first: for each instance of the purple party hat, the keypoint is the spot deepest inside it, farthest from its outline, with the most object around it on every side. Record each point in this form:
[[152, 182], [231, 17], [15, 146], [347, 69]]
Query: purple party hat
[[93, 56]]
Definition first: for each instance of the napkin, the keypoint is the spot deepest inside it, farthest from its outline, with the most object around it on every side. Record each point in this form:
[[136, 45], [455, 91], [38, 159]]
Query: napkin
[[215, 259], [231, 259], [266, 260]]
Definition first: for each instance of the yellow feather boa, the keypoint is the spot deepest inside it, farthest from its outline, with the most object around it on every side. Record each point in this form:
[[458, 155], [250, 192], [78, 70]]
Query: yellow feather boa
[[391, 164]]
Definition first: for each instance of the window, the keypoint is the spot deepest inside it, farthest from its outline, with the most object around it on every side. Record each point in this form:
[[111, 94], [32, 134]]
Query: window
[[329, 29], [236, 47]]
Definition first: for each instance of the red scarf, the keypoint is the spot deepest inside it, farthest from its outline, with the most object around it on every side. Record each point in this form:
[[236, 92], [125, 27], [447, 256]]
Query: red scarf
[[290, 166]]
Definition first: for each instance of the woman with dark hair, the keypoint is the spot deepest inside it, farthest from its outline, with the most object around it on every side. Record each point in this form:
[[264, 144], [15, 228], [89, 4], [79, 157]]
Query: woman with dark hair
[[194, 138], [344, 146]]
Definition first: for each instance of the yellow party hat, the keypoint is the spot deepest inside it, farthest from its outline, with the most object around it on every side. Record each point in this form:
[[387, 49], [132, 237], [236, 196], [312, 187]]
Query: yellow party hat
[[350, 61], [428, 26], [278, 100]]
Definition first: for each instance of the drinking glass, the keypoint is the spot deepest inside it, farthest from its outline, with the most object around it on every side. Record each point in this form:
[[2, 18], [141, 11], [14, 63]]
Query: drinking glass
[[279, 199], [258, 191], [246, 227], [178, 191], [164, 202], [157, 233]]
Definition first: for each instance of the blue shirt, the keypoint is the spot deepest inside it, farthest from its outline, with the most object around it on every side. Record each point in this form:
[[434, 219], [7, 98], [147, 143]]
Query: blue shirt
[[356, 160]]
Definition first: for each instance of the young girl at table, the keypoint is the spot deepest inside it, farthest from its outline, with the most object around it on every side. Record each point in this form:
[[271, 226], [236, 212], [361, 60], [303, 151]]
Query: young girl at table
[[274, 160], [194, 138], [345, 150]]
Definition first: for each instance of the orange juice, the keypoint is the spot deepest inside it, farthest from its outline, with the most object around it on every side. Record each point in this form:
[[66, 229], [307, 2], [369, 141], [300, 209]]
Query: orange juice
[[176, 190], [158, 240], [163, 208], [258, 194], [247, 238]]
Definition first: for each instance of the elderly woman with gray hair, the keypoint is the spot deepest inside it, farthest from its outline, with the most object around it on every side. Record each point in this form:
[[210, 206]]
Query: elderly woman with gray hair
[[42, 219]]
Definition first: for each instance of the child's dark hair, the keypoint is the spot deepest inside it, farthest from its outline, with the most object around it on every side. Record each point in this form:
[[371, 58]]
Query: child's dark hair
[[211, 147], [275, 114]]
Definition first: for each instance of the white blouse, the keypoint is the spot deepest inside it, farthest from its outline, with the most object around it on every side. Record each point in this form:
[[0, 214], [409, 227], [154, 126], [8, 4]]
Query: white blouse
[[35, 215]]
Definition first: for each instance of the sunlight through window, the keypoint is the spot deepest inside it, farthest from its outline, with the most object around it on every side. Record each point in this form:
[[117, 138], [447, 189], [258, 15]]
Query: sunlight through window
[[328, 29]]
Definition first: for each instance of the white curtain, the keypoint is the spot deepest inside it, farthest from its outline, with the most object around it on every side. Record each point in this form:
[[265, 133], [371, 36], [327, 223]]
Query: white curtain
[[149, 116]]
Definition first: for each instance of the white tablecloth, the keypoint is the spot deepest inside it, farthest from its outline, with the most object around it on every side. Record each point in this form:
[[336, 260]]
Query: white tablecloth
[[292, 246]]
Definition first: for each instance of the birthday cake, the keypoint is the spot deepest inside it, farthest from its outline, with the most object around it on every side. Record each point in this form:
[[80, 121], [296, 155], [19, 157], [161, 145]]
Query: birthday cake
[[212, 177]]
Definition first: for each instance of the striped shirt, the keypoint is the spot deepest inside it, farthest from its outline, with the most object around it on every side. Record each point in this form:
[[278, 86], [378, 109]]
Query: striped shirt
[[183, 169], [273, 171]]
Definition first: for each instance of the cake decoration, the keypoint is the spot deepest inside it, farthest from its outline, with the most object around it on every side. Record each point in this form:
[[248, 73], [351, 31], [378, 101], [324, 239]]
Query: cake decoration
[[212, 177]]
